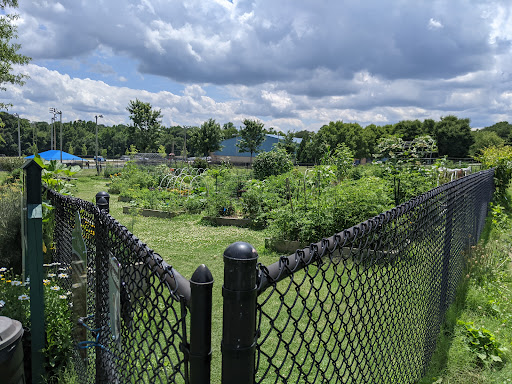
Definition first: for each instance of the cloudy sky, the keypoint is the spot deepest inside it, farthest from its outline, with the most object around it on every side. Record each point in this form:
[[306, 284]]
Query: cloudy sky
[[293, 64]]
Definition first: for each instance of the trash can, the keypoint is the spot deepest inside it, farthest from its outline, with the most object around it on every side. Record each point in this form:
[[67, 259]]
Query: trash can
[[11, 351]]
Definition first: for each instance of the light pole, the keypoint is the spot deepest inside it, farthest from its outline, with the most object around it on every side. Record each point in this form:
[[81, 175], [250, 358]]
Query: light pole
[[60, 113], [53, 142], [19, 135], [97, 168]]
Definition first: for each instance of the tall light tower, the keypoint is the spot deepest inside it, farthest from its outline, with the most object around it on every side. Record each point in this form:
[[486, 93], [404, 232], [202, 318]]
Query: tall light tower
[[53, 142], [97, 167], [60, 113], [19, 135]]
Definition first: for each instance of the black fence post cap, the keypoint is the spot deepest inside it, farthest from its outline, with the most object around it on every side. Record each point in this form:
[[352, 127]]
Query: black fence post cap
[[202, 275], [104, 195], [241, 251]]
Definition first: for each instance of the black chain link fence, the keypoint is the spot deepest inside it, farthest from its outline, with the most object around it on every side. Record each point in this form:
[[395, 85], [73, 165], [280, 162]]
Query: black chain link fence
[[366, 305], [363, 306], [146, 344]]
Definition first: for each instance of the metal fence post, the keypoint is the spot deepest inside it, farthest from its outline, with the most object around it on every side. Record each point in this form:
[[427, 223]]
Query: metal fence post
[[103, 201], [35, 264], [101, 286], [447, 253], [239, 314], [201, 284]]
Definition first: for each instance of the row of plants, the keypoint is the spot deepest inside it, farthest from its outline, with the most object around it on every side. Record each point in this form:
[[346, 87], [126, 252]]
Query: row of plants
[[303, 205]]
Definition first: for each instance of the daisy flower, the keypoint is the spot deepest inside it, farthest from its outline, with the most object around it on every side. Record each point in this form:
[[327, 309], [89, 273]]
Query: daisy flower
[[55, 288], [23, 297]]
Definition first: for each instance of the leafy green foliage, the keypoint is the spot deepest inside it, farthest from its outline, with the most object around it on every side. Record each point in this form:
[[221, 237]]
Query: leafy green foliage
[[15, 303], [207, 138], [484, 139], [342, 158], [272, 163], [501, 159], [10, 226], [333, 209], [401, 164], [483, 344], [251, 136], [9, 55], [146, 124], [453, 136], [9, 164]]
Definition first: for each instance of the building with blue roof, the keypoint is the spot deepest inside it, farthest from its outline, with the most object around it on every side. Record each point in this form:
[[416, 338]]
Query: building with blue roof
[[230, 151]]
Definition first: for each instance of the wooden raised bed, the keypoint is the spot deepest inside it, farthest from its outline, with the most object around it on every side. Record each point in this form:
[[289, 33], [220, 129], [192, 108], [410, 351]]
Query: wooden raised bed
[[228, 221], [151, 212]]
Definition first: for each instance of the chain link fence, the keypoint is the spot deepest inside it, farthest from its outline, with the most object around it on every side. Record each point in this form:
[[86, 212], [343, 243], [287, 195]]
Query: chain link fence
[[363, 306], [113, 270], [366, 305]]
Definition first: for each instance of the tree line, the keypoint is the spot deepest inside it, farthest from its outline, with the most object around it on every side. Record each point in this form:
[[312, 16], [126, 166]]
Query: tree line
[[146, 134]]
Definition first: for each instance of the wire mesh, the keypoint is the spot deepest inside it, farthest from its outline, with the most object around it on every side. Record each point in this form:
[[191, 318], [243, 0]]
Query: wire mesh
[[150, 344], [366, 305]]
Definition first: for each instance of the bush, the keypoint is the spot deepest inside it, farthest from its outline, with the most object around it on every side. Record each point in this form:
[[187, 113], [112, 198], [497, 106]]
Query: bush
[[275, 162], [334, 209], [9, 164], [501, 159], [10, 227], [200, 163]]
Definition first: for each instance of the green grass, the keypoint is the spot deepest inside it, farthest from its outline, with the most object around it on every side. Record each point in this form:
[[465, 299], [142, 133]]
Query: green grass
[[485, 299]]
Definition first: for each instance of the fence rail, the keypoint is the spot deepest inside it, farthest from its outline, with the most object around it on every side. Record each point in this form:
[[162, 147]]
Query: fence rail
[[364, 305]]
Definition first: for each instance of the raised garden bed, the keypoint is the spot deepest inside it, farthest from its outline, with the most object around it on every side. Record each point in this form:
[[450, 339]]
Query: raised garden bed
[[228, 221], [284, 246], [151, 212]]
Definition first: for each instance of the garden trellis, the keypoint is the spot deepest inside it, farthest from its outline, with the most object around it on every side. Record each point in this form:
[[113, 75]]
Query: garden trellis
[[364, 305]]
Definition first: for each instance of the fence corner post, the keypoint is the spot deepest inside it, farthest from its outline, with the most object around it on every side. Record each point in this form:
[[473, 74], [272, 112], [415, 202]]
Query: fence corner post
[[35, 263], [201, 284], [239, 314]]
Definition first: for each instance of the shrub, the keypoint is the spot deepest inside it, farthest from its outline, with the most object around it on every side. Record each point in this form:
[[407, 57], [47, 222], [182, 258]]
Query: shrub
[[200, 163], [9, 164], [275, 162], [10, 227], [334, 209], [15, 303], [501, 159]]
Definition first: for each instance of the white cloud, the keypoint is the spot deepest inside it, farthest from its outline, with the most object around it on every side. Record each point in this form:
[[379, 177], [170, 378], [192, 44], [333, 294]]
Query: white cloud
[[282, 62], [434, 24]]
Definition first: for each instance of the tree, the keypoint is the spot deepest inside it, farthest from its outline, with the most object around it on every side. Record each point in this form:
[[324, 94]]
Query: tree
[[289, 145], [503, 129], [207, 138], [453, 136], [229, 130], [9, 55], [484, 139], [251, 136], [146, 124]]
